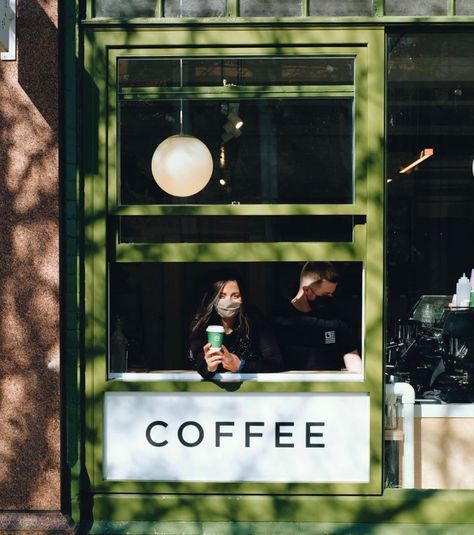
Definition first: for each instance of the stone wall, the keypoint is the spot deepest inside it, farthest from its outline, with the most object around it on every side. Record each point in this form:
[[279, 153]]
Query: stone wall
[[29, 268]]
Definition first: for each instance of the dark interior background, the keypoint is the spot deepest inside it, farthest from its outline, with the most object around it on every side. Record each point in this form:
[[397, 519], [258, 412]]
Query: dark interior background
[[290, 151], [430, 216]]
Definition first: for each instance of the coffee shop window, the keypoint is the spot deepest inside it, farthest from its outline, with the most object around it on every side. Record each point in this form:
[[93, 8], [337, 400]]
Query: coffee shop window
[[152, 306], [233, 165], [430, 196]]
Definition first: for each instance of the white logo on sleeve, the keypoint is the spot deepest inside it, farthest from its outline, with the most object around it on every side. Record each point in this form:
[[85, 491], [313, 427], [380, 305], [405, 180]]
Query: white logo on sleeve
[[330, 337]]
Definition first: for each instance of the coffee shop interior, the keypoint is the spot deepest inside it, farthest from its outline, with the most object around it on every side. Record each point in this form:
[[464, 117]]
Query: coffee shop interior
[[430, 223]]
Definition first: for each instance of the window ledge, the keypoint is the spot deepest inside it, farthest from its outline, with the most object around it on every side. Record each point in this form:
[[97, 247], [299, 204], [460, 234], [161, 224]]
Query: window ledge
[[292, 376]]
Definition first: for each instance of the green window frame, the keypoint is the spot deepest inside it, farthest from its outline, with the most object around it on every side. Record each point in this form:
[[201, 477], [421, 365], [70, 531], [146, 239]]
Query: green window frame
[[102, 47]]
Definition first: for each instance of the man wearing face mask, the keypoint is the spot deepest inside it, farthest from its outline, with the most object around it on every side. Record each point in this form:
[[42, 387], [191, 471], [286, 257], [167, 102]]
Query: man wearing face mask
[[248, 347], [315, 336]]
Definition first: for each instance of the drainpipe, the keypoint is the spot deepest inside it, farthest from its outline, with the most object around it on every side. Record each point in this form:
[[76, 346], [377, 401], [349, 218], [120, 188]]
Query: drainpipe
[[407, 394]]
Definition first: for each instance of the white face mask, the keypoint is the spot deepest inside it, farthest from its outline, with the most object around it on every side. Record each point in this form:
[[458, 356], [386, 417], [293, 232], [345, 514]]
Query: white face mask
[[227, 308]]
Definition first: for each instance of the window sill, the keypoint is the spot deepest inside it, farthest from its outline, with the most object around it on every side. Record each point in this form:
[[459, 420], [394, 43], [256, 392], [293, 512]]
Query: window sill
[[291, 376]]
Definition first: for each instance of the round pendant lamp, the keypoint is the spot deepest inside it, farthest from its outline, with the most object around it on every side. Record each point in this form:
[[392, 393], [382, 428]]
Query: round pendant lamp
[[181, 165]]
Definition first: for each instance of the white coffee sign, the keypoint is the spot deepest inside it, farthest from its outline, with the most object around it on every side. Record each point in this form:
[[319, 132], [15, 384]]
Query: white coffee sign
[[319, 438]]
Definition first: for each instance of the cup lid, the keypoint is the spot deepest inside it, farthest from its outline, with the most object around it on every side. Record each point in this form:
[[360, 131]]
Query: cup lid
[[215, 328]]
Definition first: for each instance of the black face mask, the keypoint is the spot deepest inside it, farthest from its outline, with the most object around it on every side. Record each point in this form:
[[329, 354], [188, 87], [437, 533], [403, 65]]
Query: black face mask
[[321, 305]]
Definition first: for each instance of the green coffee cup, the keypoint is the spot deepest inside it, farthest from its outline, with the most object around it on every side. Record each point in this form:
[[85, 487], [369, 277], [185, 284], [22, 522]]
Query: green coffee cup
[[215, 335]]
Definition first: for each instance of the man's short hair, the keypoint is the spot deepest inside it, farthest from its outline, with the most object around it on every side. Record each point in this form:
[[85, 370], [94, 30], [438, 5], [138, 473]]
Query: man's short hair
[[317, 271]]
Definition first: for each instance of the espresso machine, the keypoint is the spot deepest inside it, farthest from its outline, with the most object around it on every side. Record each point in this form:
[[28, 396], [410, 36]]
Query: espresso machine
[[433, 350]]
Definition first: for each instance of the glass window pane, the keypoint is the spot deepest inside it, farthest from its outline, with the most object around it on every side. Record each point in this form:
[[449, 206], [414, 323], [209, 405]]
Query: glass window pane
[[228, 229], [287, 151], [420, 7], [464, 7], [152, 305], [149, 73], [418, 60], [276, 71], [129, 9], [195, 8], [239, 72], [430, 96], [340, 8], [270, 8]]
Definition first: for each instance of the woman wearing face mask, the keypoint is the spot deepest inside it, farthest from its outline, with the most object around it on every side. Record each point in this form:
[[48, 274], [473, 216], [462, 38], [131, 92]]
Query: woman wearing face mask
[[248, 346]]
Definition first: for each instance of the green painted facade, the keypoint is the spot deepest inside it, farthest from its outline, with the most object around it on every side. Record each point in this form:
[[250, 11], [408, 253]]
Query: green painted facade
[[90, 199]]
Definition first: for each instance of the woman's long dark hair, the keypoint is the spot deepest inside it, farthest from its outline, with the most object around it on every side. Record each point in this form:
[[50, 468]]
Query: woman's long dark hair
[[206, 313]]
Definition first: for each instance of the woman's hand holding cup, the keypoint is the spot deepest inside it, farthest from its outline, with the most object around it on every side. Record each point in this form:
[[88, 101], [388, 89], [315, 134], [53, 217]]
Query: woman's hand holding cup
[[213, 357], [213, 349]]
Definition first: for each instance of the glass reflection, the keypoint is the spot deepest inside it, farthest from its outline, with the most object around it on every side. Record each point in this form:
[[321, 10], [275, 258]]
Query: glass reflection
[[129, 9], [274, 8], [340, 8], [195, 8], [216, 72]]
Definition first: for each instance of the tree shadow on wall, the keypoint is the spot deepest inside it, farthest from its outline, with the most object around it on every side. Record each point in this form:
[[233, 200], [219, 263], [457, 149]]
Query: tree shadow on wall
[[29, 268], [38, 60]]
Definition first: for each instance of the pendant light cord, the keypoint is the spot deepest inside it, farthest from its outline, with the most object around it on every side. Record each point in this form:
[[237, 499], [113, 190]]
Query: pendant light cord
[[181, 99], [181, 80]]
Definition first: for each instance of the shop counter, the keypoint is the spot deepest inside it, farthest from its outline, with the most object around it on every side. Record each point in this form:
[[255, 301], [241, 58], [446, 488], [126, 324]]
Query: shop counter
[[444, 445]]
